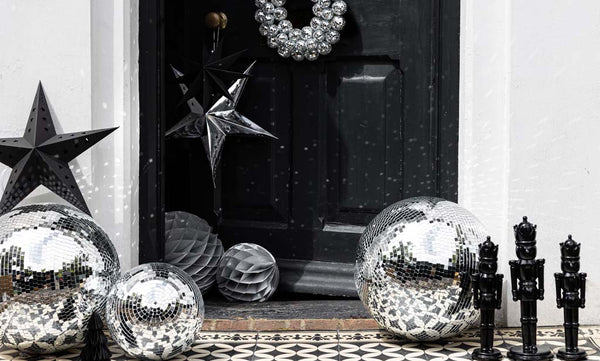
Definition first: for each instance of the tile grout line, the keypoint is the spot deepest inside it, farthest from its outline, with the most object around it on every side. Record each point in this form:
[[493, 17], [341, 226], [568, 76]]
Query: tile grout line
[[255, 345], [339, 347]]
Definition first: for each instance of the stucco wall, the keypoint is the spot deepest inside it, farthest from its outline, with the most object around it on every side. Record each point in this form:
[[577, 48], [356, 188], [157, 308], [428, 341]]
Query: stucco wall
[[529, 125], [85, 55]]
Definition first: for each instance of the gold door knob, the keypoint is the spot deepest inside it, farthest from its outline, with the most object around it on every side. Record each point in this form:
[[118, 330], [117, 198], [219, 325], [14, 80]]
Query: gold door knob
[[215, 20]]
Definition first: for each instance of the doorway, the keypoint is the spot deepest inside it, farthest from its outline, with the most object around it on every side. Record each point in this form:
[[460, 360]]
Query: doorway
[[374, 122]]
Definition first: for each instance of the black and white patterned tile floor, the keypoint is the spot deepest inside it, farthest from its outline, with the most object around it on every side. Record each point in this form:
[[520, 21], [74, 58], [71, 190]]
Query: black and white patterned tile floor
[[371, 345]]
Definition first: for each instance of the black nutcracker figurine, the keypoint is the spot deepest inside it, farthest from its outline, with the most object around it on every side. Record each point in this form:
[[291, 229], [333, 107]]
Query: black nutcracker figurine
[[527, 278], [487, 296], [570, 295]]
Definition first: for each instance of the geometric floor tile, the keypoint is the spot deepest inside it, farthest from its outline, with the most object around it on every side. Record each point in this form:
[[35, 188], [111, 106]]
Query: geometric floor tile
[[370, 345]]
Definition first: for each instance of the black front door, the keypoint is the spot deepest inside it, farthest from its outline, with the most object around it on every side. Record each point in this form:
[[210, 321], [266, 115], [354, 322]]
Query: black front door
[[372, 123]]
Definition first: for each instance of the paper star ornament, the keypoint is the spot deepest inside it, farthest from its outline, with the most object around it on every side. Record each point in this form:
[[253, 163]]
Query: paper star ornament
[[219, 121], [41, 157]]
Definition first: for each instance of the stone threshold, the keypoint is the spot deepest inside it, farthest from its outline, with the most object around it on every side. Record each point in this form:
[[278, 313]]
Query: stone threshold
[[289, 325]]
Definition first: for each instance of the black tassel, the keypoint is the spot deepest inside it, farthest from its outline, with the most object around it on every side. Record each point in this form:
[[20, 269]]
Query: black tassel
[[95, 348]]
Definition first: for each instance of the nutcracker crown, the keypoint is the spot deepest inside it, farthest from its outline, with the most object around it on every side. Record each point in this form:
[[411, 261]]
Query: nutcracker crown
[[569, 250], [488, 251], [525, 233]]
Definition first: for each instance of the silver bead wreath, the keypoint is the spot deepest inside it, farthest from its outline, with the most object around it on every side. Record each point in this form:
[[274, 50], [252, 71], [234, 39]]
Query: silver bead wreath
[[308, 42]]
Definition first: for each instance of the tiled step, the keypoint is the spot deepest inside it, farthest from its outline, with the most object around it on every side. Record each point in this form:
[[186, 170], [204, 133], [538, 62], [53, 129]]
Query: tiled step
[[336, 345]]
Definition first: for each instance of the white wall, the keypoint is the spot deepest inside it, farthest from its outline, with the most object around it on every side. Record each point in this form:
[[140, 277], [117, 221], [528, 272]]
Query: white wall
[[529, 127], [85, 54]]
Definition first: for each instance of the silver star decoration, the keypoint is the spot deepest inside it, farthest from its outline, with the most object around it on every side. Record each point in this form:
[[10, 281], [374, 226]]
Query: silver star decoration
[[217, 123]]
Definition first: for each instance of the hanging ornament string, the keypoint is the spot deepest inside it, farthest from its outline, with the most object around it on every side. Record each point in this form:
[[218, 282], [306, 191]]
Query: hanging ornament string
[[215, 21], [308, 42], [216, 35]]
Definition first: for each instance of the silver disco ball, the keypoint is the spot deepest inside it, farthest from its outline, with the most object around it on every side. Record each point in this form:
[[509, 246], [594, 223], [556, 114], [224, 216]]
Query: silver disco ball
[[154, 311], [56, 267], [414, 265]]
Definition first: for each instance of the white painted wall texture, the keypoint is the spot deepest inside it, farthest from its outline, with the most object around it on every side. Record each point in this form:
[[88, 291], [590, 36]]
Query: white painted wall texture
[[529, 126], [85, 54]]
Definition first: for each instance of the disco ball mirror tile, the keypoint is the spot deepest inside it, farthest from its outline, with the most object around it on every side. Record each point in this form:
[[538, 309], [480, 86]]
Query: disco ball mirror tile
[[56, 267], [413, 268], [154, 311]]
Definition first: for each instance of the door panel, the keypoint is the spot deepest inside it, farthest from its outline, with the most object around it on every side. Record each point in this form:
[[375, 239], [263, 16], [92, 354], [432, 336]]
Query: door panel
[[251, 195], [365, 142]]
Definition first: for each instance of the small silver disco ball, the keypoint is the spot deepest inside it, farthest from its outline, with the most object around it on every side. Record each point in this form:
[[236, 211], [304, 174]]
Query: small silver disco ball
[[414, 265], [154, 311], [56, 267]]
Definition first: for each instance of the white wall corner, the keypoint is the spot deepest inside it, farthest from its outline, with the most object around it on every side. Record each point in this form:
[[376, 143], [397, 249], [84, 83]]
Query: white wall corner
[[115, 103], [529, 120], [484, 112]]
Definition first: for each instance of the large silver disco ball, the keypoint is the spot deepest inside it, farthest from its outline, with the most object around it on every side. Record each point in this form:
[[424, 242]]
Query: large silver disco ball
[[56, 267], [414, 265], [154, 311]]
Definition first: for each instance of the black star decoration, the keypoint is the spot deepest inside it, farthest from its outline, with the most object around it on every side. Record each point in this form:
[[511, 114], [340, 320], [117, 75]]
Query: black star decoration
[[41, 157], [212, 75]]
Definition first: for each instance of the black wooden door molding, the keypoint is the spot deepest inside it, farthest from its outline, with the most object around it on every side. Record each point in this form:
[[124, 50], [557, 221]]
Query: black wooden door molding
[[321, 278], [151, 84]]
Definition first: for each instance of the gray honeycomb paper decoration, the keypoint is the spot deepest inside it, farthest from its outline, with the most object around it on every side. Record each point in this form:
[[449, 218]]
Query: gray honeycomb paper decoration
[[247, 272], [191, 246]]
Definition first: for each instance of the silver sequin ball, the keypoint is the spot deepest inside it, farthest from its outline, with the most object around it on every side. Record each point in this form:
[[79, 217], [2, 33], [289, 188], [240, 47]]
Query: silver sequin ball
[[56, 267], [413, 268], [154, 311]]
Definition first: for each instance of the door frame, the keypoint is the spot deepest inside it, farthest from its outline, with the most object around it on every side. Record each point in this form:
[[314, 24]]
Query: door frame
[[152, 113], [152, 122]]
